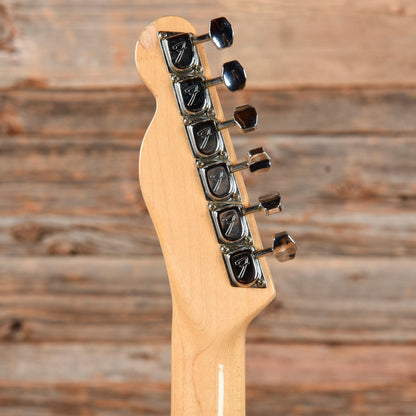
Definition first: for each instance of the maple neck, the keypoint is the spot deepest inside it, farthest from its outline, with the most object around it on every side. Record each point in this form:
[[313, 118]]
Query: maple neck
[[194, 190], [208, 375]]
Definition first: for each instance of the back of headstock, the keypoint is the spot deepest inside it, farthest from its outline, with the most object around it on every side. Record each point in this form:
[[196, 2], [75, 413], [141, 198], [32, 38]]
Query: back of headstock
[[192, 184]]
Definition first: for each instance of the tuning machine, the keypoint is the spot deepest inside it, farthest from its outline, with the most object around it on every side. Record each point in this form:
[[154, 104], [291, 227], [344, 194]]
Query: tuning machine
[[243, 264], [179, 48], [229, 219], [192, 93], [218, 179], [205, 137]]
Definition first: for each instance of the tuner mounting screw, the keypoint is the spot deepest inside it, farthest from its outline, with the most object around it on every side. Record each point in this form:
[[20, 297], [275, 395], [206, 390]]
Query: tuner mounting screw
[[212, 206], [261, 283], [248, 240], [236, 196], [186, 121], [199, 164], [210, 112], [225, 249], [162, 35], [175, 78], [223, 154]]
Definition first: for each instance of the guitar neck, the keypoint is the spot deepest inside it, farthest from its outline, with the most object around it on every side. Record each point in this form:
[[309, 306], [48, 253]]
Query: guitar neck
[[191, 182], [208, 375]]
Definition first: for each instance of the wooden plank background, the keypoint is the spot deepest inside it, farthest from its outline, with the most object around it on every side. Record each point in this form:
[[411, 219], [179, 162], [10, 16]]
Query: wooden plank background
[[84, 297]]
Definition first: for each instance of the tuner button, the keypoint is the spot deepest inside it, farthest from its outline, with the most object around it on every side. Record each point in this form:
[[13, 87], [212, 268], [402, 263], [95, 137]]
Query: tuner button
[[283, 247], [257, 161], [220, 32], [245, 117], [233, 76], [269, 204]]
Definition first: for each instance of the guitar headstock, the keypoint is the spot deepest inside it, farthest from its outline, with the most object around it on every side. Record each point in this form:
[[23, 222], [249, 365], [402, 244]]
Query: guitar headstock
[[192, 183]]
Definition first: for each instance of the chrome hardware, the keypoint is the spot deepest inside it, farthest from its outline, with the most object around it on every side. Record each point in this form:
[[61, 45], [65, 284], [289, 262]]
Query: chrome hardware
[[205, 139], [220, 32], [245, 117], [192, 94], [180, 54], [269, 204], [257, 161], [283, 248], [244, 269], [211, 157], [179, 49], [218, 182], [233, 76], [230, 224], [229, 219]]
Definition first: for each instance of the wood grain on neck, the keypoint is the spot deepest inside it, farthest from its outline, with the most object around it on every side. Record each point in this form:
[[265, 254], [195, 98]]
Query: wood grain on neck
[[210, 316]]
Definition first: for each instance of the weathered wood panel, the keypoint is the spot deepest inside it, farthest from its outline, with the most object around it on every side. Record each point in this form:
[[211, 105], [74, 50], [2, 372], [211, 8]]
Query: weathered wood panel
[[127, 111], [280, 43], [132, 399], [80, 196], [329, 300], [292, 379], [305, 366], [89, 335], [327, 232]]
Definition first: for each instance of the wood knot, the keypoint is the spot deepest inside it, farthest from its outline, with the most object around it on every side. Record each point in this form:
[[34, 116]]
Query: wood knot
[[7, 30], [16, 325], [28, 232], [63, 248], [9, 121], [14, 330]]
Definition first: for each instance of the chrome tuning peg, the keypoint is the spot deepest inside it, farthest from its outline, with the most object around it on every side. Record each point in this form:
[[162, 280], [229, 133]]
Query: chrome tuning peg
[[269, 204], [220, 32], [283, 248], [257, 161], [233, 76], [245, 117]]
